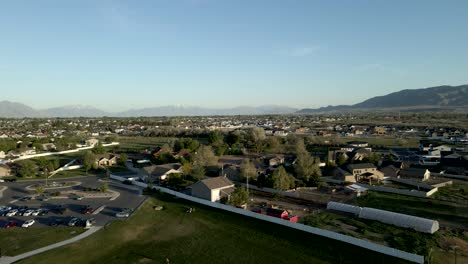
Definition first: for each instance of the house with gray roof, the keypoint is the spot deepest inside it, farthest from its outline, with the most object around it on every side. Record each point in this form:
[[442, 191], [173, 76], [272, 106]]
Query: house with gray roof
[[213, 189]]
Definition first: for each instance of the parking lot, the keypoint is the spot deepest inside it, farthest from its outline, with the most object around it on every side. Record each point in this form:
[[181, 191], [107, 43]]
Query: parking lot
[[130, 197]]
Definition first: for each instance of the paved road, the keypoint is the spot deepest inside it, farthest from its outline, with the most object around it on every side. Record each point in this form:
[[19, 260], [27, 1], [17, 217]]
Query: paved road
[[90, 231]]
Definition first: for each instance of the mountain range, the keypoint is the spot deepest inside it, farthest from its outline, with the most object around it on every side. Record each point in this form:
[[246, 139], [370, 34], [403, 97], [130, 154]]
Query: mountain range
[[17, 110], [438, 98], [427, 99]]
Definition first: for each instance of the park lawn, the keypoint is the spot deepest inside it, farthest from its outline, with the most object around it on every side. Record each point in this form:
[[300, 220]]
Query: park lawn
[[17, 240], [205, 236], [141, 143]]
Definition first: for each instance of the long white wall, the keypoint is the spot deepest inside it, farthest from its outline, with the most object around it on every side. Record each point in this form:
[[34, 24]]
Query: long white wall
[[45, 154], [313, 230]]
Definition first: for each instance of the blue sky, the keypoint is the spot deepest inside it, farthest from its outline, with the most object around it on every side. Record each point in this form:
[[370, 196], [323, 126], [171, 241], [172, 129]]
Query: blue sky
[[117, 55]]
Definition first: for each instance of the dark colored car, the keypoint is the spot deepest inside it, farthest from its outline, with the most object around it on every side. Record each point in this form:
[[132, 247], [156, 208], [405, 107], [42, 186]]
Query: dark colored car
[[11, 224], [128, 182], [56, 222], [87, 210]]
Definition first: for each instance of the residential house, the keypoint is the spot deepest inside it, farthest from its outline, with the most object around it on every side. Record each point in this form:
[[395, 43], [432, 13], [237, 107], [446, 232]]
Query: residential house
[[390, 171], [343, 175], [232, 173], [276, 161], [456, 163], [378, 130], [5, 171], [365, 171], [415, 173], [161, 172], [358, 144], [106, 160], [2, 154], [213, 189], [360, 154], [91, 142], [49, 146]]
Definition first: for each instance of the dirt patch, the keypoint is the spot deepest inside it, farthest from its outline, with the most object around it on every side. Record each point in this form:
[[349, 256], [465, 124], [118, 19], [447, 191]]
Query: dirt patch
[[449, 243]]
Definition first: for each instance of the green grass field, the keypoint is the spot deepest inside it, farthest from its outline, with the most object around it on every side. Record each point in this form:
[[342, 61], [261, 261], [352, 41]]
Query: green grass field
[[141, 143], [14, 241], [205, 236]]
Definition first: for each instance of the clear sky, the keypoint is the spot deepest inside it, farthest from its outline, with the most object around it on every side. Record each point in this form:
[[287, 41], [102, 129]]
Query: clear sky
[[117, 55]]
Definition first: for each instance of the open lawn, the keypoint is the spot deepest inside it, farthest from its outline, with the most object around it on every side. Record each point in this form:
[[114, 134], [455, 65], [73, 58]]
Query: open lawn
[[204, 236], [141, 143], [17, 240]]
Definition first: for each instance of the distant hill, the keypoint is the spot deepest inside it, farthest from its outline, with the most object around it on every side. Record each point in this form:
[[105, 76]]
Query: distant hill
[[200, 111], [75, 111], [11, 109], [434, 98], [17, 110]]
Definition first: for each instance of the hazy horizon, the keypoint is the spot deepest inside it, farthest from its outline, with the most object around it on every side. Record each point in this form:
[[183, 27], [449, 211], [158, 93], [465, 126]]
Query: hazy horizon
[[121, 55]]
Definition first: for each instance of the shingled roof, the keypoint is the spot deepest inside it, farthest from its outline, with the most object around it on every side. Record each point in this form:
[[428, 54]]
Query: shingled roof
[[360, 166], [217, 182]]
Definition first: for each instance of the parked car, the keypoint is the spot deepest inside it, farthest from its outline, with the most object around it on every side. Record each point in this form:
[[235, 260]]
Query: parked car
[[79, 198], [25, 198], [28, 212], [36, 212], [28, 223], [56, 222], [73, 221], [43, 198], [43, 212], [12, 212], [87, 209], [10, 224], [59, 209], [128, 182], [124, 212]]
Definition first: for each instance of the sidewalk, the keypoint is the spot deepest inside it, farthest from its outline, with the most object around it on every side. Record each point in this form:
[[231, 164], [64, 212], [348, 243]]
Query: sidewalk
[[90, 231]]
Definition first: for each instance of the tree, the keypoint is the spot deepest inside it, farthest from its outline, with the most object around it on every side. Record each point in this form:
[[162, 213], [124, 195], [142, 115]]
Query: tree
[[39, 189], [205, 157], [27, 169], [215, 138], [99, 149], [88, 161], [373, 158], [123, 158], [239, 197], [198, 172], [104, 187], [282, 180], [248, 170], [257, 135], [306, 166], [341, 159], [233, 137]]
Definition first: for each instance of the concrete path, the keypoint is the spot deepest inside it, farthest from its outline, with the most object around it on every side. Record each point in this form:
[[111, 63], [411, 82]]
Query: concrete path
[[90, 231], [2, 189]]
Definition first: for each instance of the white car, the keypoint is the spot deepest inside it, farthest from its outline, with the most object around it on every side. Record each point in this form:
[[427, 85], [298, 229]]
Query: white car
[[28, 223], [36, 212], [122, 214], [28, 212], [12, 212], [73, 221]]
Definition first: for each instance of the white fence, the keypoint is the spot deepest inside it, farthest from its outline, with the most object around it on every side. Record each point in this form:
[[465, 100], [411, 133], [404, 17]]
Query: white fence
[[414, 193], [45, 154], [453, 176], [316, 231]]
